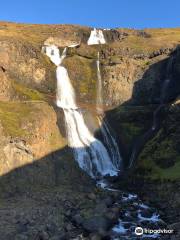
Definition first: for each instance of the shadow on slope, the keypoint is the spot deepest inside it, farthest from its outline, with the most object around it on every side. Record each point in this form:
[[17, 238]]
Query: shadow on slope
[[139, 119]]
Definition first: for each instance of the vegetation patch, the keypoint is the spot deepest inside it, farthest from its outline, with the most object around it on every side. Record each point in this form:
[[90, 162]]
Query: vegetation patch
[[27, 93], [11, 116]]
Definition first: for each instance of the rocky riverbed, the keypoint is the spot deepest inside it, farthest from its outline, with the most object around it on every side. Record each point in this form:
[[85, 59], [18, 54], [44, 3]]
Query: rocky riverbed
[[90, 214]]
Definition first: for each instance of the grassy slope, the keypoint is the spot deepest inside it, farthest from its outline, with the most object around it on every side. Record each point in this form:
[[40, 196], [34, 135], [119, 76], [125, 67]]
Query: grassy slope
[[37, 34]]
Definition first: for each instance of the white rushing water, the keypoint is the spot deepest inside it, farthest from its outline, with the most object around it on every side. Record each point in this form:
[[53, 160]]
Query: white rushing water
[[96, 37], [90, 153], [108, 137]]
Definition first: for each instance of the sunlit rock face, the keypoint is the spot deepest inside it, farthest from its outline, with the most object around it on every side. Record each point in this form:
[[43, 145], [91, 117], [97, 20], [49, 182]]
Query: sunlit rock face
[[28, 133], [60, 42], [6, 90]]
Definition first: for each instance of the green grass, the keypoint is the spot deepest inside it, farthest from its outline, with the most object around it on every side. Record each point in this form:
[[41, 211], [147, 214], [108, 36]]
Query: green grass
[[11, 115], [172, 173], [130, 130], [160, 148], [27, 93]]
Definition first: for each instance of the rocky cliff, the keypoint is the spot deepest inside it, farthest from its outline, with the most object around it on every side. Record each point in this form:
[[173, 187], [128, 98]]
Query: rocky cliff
[[33, 148]]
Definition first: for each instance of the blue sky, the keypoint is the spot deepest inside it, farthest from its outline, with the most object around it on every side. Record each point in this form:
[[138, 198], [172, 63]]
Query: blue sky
[[95, 13]]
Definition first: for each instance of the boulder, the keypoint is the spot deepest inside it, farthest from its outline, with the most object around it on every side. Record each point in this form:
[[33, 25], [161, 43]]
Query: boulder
[[97, 224]]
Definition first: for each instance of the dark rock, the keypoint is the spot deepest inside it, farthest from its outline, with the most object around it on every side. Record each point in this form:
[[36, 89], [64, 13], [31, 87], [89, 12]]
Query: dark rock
[[68, 213], [116, 209], [22, 228], [95, 237], [175, 226], [97, 224], [165, 162], [43, 236], [77, 219], [55, 238], [112, 216], [21, 237], [91, 196], [61, 236], [69, 227], [51, 228], [146, 213], [128, 218], [100, 208], [108, 201]]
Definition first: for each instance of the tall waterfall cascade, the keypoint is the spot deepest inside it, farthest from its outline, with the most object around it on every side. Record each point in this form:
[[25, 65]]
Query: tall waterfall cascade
[[96, 37], [108, 138], [90, 153]]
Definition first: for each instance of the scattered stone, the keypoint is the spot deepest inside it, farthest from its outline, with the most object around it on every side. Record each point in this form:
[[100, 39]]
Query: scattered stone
[[97, 224], [175, 226], [146, 213], [43, 236], [91, 196], [77, 219], [108, 201]]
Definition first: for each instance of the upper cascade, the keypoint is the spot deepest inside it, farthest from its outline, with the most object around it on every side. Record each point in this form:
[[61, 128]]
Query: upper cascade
[[96, 37], [53, 53]]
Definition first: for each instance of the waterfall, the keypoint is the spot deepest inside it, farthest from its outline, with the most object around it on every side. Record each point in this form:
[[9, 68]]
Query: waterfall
[[106, 132], [89, 152], [96, 37]]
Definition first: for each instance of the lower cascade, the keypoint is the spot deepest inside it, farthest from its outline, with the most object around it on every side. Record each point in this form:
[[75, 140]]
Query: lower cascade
[[90, 153]]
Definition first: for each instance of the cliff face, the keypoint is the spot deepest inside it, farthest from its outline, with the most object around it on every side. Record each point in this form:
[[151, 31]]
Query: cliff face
[[125, 58], [133, 67]]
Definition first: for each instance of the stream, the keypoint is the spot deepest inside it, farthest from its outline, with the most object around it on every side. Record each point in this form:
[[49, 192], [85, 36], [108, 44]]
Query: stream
[[135, 214]]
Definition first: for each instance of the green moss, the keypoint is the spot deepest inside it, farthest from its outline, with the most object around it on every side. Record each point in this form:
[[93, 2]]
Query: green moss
[[11, 115], [56, 140], [130, 130], [27, 93], [159, 159], [172, 173], [83, 74], [131, 121]]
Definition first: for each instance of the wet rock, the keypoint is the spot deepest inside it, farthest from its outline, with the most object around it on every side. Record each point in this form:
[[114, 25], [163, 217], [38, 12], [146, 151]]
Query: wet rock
[[97, 224], [175, 226], [77, 219], [134, 214], [116, 209], [146, 213], [161, 223], [113, 217], [108, 201]]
